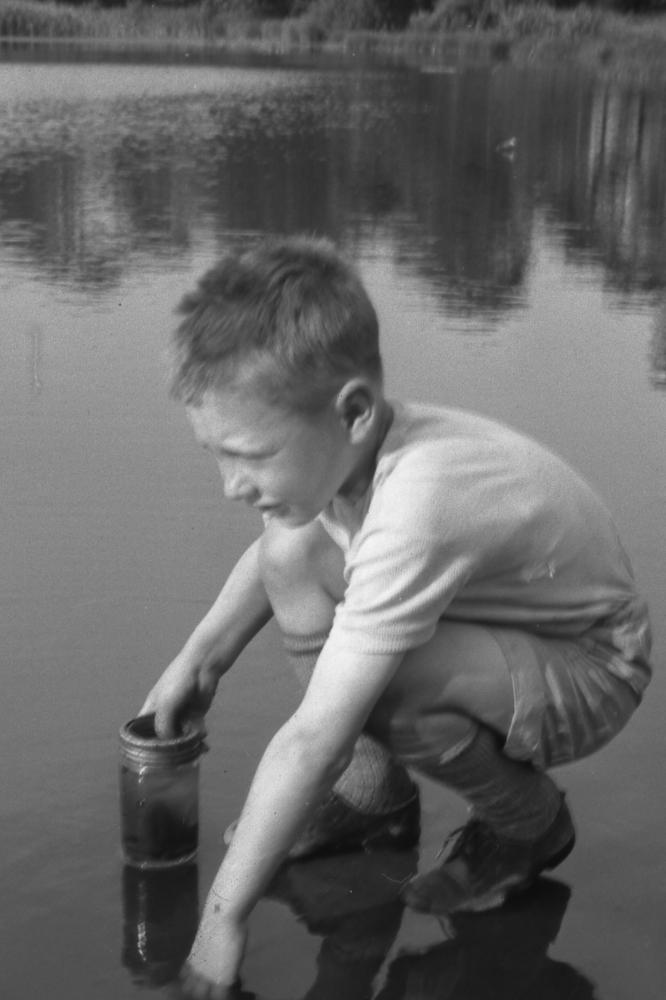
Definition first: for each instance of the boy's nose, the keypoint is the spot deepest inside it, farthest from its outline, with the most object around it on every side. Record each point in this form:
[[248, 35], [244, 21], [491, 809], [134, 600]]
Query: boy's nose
[[235, 486]]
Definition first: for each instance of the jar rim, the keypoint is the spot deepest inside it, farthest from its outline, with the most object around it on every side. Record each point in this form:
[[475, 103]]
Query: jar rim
[[139, 734]]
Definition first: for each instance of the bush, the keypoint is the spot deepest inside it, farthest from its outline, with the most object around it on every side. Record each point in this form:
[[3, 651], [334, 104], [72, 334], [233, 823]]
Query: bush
[[396, 13], [326, 16], [21, 19], [515, 17], [541, 19], [290, 32], [456, 15], [240, 29]]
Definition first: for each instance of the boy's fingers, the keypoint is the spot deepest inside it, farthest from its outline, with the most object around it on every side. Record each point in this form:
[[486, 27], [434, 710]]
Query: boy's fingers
[[165, 722], [197, 987], [147, 706], [193, 725]]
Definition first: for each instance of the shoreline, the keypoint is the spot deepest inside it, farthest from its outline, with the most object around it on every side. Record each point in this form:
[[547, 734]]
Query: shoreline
[[626, 49]]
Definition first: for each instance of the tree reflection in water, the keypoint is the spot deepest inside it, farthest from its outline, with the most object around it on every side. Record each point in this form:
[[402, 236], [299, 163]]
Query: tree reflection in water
[[658, 346], [455, 169]]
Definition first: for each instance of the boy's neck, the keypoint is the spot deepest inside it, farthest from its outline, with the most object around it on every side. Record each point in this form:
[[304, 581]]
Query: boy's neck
[[361, 476]]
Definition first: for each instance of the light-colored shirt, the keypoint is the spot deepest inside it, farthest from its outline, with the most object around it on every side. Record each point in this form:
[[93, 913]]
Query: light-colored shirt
[[467, 519]]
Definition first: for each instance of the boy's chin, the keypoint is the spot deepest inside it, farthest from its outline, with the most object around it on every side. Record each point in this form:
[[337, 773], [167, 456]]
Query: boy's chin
[[288, 517]]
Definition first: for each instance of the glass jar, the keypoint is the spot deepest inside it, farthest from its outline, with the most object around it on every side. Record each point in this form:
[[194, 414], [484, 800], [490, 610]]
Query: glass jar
[[159, 795]]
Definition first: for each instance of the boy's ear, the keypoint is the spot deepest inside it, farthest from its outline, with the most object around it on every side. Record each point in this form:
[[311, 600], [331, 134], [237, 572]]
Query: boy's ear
[[356, 405]]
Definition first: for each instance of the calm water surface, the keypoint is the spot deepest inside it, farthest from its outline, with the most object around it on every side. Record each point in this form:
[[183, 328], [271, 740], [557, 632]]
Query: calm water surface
[[511, 227]]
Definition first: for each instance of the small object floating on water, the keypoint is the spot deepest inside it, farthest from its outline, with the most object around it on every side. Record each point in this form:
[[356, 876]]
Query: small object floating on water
[[435, 69], [507, 148]]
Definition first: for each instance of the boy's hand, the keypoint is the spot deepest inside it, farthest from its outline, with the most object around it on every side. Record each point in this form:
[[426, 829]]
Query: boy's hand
[[183, 693], [211, 970]]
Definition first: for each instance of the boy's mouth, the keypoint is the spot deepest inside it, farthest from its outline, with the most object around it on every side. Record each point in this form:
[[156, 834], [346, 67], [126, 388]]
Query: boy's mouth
[[270, 510]]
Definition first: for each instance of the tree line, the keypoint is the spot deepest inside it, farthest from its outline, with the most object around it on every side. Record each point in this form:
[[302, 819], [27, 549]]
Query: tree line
[[370, 13]]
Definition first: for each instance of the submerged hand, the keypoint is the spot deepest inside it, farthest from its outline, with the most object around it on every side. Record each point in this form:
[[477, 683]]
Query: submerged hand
[[211, 970], [185, 691], [197, 987]]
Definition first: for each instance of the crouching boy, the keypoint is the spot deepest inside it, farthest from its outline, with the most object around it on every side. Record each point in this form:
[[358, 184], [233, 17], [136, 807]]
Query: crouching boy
[[455, 597]]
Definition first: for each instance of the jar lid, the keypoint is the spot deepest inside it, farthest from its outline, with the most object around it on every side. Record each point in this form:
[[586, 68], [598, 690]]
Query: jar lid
[[140, 744]]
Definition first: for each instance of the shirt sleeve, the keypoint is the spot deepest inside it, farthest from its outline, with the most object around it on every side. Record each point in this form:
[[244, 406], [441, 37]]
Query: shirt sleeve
[[399, 586], [414, 551]]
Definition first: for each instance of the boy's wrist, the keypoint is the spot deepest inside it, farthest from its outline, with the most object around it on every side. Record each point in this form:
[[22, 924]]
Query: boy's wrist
[[216, 954], [202, 657]]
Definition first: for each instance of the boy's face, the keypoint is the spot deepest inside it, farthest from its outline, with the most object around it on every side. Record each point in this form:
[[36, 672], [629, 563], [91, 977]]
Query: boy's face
[[288, 466]]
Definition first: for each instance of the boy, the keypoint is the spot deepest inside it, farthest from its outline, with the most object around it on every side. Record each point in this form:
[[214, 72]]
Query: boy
[[460, 593]]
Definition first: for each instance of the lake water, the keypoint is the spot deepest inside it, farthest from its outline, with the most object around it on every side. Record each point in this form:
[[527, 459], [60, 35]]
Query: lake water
[[511, 227]]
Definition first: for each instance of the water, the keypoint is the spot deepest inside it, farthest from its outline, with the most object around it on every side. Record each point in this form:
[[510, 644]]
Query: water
[[511, 227]]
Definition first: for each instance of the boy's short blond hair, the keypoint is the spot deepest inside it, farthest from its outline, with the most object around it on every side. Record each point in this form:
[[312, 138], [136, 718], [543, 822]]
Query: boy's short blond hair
[[291, 314]]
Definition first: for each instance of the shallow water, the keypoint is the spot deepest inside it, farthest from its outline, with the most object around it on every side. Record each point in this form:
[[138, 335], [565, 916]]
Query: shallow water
[[511, 227]]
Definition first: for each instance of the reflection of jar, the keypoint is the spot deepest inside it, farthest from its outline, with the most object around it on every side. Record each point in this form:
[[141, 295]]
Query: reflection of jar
[[160, 914], [159, 795]]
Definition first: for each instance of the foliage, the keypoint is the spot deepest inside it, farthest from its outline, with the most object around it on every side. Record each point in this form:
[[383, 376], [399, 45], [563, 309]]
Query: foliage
[[308, 21], [24, 19], [326, 16], [246, 9], [351, 15], [639, 6], [48, 19], [517, 17], [627, 6], [543, 20]]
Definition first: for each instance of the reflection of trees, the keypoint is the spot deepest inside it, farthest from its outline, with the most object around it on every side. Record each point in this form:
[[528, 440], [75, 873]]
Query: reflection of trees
[[424, 153], [658, 346], [154, 192], [52, 209], [608, 184], [437, 151]]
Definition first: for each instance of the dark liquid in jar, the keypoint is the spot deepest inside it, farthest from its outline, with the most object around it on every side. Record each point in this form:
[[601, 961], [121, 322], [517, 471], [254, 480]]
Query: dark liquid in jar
[[160, 815]]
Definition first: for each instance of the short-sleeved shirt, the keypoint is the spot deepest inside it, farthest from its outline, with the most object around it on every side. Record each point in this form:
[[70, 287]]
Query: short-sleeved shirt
[[469, 520]]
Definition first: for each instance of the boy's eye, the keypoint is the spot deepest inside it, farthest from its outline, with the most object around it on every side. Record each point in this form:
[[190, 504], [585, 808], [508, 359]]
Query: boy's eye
[[242, 456], [248, 456]]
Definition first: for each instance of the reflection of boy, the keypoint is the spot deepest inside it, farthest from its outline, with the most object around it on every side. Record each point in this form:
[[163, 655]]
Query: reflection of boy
[[494, 956], [352, 904], [460, 592]]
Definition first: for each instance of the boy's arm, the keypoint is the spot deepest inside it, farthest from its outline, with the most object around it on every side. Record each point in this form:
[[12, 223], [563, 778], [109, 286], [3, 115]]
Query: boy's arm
[[188, 685], [300, 765]]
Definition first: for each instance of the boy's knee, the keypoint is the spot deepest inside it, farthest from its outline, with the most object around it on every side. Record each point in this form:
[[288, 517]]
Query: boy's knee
[[283, 553], [418, 738], [292, 556]]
